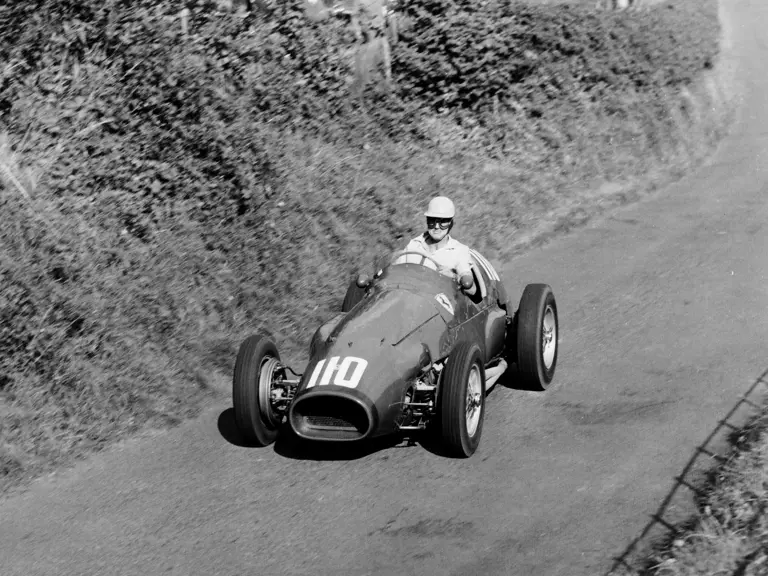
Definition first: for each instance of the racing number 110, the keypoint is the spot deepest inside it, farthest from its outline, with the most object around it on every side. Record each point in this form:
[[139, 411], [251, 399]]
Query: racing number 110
[[338, 373]]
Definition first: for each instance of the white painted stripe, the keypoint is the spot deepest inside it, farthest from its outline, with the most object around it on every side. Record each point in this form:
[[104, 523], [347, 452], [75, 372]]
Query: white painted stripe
[[494, 274], [476, 256], [482, 264], [486, 265]]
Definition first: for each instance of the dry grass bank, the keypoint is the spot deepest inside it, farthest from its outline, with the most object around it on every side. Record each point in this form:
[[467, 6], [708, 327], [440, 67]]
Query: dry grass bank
[[728, 532]]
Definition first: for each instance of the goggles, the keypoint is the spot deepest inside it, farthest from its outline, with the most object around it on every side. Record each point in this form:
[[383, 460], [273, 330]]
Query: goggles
[[442, 223]]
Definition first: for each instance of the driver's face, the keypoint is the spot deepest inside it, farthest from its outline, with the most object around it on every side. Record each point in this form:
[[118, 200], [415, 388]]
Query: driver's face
[[438, 228]]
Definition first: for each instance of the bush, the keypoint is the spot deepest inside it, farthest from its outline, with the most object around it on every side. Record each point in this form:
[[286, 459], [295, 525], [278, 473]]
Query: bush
[[477, 56]]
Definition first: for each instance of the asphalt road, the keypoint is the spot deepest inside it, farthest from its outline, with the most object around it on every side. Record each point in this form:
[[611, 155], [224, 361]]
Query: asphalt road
[[663, 309]]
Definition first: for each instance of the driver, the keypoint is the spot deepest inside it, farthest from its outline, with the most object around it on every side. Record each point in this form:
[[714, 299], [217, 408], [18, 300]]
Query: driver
[[449, 254]]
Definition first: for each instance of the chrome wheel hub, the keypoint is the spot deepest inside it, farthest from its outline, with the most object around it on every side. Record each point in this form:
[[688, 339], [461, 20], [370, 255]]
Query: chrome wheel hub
[[548, 337], [474, 403], [268, 373]]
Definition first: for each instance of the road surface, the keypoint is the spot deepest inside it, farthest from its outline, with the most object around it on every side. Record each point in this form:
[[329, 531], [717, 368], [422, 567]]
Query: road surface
[[664, 322]]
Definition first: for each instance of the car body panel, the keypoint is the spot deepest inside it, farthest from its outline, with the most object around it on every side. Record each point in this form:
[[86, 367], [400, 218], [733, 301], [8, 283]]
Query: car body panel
[[366, 359]]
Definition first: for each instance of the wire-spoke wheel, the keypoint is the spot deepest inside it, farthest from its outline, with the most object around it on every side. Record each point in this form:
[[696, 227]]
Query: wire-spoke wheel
[[549, 338], [474, 402], [461, 400], [268, 374]]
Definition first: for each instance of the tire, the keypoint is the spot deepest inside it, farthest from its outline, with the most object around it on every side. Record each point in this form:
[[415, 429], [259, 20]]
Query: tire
[[257, 424], [456, 426], [537, 336], [354, 295]]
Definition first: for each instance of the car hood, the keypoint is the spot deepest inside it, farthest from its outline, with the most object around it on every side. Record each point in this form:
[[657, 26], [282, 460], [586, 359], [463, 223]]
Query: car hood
[[387, 338], [362, 370], [385, 317]]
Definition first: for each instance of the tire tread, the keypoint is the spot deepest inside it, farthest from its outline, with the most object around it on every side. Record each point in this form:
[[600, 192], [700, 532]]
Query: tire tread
[[245, 395], [530, 315]]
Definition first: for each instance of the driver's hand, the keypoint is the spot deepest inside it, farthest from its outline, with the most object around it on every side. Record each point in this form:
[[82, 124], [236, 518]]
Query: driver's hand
[[467, 284]]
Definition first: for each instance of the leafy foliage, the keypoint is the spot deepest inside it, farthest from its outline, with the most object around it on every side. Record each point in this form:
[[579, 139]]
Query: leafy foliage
[[456, 56]]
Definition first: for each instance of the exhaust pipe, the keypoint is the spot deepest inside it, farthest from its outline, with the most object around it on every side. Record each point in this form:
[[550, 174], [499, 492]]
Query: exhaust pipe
[[493, 374]]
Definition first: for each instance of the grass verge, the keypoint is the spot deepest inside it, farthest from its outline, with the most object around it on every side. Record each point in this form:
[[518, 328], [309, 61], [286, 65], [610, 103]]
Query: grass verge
[[728, 534]]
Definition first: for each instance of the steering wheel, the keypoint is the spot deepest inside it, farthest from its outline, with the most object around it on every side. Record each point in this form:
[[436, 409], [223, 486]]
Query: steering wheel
[[424, 258]]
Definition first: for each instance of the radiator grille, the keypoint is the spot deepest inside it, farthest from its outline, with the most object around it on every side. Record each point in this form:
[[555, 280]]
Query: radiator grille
[[329, 422], [330, 417]]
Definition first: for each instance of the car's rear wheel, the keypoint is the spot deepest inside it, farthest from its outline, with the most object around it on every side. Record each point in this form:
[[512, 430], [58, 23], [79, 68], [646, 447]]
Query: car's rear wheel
[[537, 336], [257, 368], [461, 400], [354, 295]]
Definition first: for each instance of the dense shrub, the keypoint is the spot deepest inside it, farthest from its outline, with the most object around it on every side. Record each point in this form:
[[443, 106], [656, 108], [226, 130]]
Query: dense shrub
[[454, 55], [178, 118], [163, 118]]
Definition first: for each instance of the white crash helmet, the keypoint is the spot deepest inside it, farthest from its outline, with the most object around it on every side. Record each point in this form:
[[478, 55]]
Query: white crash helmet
[[440, 207]]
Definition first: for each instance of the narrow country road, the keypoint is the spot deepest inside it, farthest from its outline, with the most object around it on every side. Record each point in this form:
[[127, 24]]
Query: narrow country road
[[664, 322]]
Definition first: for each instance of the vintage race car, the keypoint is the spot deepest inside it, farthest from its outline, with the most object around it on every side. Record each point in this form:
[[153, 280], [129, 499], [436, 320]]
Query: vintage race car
[[410, 351]]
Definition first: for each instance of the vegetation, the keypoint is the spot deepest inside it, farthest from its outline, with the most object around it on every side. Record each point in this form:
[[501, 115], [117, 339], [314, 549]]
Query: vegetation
[[172, 183], [727, 535]]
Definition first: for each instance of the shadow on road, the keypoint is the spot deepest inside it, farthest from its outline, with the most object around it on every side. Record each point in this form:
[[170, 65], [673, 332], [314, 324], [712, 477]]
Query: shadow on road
[[289, 445], [228, 429], [511, 380], [673, 530]]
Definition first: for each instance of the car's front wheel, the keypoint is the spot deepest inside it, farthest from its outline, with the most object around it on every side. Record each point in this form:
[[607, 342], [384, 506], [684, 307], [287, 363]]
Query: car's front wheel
[[257, 369], [461, 400]]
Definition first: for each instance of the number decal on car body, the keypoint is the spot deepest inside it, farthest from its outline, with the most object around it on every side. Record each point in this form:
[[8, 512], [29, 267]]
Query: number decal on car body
[[338, 373]]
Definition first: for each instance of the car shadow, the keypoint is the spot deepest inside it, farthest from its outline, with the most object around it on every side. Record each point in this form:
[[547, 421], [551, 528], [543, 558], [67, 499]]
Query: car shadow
[[288, 445], [512, 381], [228, 429], [430, 441]]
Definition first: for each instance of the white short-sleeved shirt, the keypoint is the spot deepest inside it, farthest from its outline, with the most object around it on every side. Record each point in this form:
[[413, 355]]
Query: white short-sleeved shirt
[[452, 258]]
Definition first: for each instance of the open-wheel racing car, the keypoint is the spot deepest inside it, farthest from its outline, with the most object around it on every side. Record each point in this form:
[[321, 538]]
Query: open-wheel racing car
[[410, 351]]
